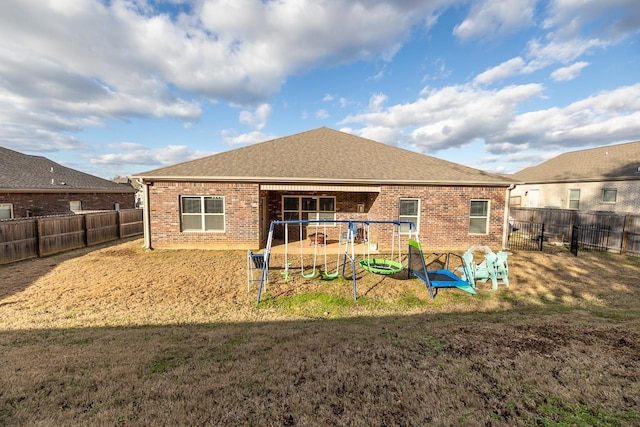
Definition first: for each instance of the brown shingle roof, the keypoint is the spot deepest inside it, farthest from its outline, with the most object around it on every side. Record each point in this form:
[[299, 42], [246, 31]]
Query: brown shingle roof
[[325, 156], [35, 173], [613, 162]]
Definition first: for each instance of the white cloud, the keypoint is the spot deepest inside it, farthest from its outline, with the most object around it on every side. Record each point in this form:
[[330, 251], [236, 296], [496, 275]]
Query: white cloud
[[564, 51], [450, 116], [607, 20], [488, 18], [507, 69], [608, 116], [388, 135], [327, 97], [520, 157], [378, 76], [233, 138], [68, 66], [126, 146], [568, 73], [258, 119], [322, 114], [454, 116], [540, 56], [169, 155], [574, 29], [377, 101]]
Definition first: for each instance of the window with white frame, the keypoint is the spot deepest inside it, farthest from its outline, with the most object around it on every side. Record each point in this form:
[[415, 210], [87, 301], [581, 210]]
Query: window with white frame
[[75, 205], [308, 208], [409, 210], [202, 213], [574, 199], [479, 217], [6, 210], [609, 195]]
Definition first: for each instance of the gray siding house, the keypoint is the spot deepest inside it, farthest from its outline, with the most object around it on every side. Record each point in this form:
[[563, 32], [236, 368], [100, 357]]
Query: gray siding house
[[598, 179]]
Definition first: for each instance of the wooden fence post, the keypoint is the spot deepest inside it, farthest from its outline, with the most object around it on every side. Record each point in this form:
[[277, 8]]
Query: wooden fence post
[[625, 234], [119, 223], [86, 230], [38, 236]]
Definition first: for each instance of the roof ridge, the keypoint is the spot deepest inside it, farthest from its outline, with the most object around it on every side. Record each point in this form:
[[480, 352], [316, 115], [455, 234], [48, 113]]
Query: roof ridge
[[324, 154]]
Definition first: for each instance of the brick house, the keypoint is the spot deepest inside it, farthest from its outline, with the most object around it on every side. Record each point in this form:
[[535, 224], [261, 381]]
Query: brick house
[[228, 200], [598, 179], [36, 186]]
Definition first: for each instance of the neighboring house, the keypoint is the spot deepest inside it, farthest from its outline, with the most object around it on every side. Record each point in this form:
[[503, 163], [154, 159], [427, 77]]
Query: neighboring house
[[598, 179], [228, 200], [36, 186], [126, 180]]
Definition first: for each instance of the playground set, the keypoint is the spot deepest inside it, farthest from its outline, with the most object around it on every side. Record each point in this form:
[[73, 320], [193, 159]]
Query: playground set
[[454, 271]]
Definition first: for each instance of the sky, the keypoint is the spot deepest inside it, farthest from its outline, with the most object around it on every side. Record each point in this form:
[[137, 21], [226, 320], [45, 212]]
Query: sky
[[119, 87]]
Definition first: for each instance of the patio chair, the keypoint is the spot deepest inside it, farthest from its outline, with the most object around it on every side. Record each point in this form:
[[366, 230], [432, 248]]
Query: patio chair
[[470, 267], [502, 268], [486, 270]]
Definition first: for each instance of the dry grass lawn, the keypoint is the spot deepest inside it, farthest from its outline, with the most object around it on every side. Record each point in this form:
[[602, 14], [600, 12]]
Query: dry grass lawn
[[115, 335]]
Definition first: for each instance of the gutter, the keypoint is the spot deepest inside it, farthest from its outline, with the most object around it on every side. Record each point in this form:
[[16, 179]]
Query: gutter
[[578, 180], [66, 190], [146, 215], [293, 180], [505, 221]]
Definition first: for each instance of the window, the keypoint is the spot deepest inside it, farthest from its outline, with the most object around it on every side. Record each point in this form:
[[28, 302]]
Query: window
[[6, 211], [574, 199], [202, 213], [479, 217], [609, 195], [409, 211], [308, 208], [75, 205]]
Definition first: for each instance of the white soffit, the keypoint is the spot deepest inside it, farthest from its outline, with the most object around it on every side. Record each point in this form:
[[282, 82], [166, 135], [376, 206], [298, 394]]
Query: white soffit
[[340, 188]]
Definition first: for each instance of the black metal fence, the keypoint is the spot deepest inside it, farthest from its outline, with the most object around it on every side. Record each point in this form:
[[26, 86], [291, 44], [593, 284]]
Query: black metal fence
[[591, 237], [526, 236], [531, 236], [617, 232]]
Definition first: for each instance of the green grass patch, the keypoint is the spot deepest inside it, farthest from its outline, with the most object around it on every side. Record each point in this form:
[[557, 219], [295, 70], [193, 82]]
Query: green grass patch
[[311, 304], [411, 301], [171, 360], [327, 304], [609, 314], [556, 413]]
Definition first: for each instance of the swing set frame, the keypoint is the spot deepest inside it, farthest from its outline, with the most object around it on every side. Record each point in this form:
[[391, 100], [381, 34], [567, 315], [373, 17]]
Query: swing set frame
[[373, 265]]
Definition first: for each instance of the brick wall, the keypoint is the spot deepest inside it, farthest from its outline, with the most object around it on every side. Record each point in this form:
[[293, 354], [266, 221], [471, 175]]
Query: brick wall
[[242, 219], [444, 214], [37, 204]]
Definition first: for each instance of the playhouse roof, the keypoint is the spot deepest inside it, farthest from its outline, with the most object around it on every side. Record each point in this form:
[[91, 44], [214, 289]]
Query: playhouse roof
[[608, 163], [325, 155]]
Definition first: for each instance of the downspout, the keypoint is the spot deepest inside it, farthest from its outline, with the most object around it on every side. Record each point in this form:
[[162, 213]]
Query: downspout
[[146, 219], [506, 226]]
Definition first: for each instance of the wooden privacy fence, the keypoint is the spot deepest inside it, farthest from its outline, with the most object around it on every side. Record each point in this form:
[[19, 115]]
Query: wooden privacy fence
[[623, 230], [36, 237]]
